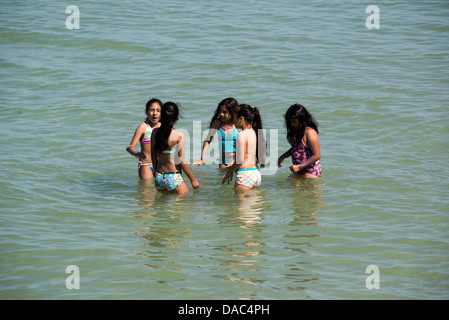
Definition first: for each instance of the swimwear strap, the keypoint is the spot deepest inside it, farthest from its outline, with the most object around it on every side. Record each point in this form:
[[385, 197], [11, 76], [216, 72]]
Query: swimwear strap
[[248, 169], [172, 172]]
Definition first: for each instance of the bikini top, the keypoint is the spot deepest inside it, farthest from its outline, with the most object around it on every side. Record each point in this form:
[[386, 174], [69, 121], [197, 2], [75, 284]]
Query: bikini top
[[228, 141], [147, 136]]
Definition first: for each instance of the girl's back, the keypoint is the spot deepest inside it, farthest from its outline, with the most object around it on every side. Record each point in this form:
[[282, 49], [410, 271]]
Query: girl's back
[[169, 159], [168, 151], [246, 152]]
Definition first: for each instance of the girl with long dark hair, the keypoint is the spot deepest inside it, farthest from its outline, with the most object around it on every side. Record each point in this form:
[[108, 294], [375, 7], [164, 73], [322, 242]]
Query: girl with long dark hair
[[302, 134], [143, 134], [167, 153], [223, 122], [250, 149]]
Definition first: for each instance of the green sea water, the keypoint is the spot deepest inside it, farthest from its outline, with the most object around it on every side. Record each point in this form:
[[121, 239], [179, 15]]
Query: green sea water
[[70, 100]]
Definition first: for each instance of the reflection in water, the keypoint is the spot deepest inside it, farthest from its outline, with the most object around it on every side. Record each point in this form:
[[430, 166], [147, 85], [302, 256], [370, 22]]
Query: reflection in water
[[243, 252], [160, 225], [253, 261], [249, 206], [146, 197], [243, 243], [306, 204]]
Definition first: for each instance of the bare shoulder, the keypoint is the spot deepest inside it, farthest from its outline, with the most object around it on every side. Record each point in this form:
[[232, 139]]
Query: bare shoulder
[[245, 134], [311, 136], [310, 132], [215, 124], [142, 127], [176, 136]]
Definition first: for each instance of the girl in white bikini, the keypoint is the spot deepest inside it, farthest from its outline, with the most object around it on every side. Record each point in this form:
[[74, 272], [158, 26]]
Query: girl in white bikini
[[250, 149]]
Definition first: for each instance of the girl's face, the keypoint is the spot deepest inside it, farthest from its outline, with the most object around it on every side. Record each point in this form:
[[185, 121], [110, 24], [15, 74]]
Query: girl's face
[[240, 123], [154, 113], [294, 123], [224, 114]]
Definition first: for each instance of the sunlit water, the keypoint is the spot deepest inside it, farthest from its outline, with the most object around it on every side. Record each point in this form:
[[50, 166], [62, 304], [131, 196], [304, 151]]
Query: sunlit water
[[71, 99]]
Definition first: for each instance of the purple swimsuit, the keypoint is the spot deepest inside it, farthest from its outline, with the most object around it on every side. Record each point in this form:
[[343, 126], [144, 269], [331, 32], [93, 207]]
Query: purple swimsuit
[[301, 153]]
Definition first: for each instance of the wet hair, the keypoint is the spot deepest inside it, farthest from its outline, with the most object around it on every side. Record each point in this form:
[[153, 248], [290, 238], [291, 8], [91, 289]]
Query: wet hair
[[305, 119], [169, 115], [230, 104], [149, 104], [252, 116]]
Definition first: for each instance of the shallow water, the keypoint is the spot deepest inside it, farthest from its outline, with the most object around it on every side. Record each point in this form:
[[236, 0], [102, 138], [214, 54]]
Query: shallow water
[[71, 99]]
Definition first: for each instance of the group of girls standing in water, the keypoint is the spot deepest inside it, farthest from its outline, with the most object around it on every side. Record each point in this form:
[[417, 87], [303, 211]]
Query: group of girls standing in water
[[241, 143]]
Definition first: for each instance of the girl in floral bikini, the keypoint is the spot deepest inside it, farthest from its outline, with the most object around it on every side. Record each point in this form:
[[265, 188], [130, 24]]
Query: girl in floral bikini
[[302, 134], [143, 134], [167, 152]]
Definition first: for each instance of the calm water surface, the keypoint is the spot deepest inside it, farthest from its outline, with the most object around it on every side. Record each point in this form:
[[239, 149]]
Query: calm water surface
[[70, 101]]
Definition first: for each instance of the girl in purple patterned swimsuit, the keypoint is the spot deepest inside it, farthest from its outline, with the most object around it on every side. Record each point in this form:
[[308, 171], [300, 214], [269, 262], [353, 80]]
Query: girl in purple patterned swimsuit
[[302, 134]]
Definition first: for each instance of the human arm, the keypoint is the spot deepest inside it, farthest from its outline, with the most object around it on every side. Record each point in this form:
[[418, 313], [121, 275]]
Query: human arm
[[184, 164], [131, 148], [203, 155], [285, 155], [193, 181], [312, 141], [240, 146], [212, 130], [231, 163], [230, 173]]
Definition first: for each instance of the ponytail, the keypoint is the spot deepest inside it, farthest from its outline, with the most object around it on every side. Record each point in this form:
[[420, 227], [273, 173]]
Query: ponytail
[[252, 116], [169, 115], [257, 120], [261, 142]]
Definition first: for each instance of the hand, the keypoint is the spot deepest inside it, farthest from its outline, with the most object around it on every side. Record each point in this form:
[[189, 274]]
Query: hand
[[294, 168], [230, 164], [198, 163], [141, 155], [195, 184], [227, 177], [280, 160]]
